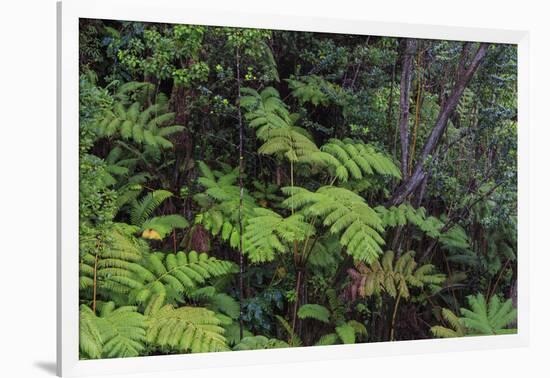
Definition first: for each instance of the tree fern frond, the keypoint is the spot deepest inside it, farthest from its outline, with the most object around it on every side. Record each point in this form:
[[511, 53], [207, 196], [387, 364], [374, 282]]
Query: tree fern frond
[[144, 208], [116, 332], [259, 342], [346, 333], [163, 225], [186, 329], [314, 311], [346, 214]]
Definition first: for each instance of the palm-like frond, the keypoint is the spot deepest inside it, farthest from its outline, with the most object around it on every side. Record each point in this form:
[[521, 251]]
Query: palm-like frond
[[144, 208], [265, 111], [346, 214], [354, 160], [259, 342], [314, 311], [220, 203], [162, 278], [394, 276], [116, 332], [310, 89], [144, 126], [267, 233], [453, 238], [481, 318], [488, 318], [158, 227], [186, 329]]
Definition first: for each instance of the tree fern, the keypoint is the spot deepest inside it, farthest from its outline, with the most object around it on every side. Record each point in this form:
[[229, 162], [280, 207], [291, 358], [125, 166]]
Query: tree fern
[[259, 342], [110, 258], [310, 89], [355, 160], [162, 278], [186, 329], [212, 299], [265, 110], [150, 126], [345, 214], [144, 208], [345, 332], [267, 233], [220, 202], [293, 339], [314, 311], [116, 332], [454, 321], [454, 238], [325, 254], [488, 318], [394, 277], [481, 318], [158, 227], [274, 125]]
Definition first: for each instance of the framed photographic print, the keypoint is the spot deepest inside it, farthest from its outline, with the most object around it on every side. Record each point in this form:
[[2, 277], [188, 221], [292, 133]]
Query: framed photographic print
[[273, 188]]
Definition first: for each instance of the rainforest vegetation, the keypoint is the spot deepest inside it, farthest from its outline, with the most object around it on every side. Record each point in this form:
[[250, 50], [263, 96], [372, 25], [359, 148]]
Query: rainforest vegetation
[[250, 189]]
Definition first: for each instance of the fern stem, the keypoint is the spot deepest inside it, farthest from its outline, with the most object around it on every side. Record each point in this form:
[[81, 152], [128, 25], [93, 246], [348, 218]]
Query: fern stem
[[292, 187], [394, 315], [295, 311], [95, 284]]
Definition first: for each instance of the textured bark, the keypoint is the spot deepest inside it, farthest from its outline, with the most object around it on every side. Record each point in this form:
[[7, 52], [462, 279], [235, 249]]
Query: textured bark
[[465, 73], [406, 78]]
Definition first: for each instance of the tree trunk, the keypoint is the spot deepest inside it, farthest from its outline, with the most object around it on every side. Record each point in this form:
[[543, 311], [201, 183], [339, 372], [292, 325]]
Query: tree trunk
[[406, 78], [464, 76]]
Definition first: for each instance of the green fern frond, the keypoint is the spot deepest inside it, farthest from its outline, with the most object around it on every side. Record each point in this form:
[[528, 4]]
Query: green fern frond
[[394, 276], [259, 342], [346, 333], [162, 225], [166, 277], [488, 319], [117, 332], [267, 233], [293, 338], [144, 208], [141, 125], [310, 89], [481, 318], [265, 110], [344, 213], [328, 339], [314, 311], [186, 329]]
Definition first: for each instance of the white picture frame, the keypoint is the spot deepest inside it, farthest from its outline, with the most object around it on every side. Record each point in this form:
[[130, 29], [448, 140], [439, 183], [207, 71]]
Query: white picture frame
[[174, 11]]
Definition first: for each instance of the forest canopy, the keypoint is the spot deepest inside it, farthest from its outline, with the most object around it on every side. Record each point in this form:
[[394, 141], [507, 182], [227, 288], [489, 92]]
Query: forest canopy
[[252, 189]]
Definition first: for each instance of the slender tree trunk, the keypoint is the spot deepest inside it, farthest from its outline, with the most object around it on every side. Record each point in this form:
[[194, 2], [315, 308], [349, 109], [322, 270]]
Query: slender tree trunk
[[418, 106], [94, 294], [406, 77], [389, 116], [241, 196], [295, 311], [394, 316], [465, 74]]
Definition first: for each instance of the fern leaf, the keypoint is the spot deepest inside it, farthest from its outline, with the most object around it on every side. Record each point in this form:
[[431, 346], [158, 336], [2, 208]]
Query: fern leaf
[[186, 329], [314, 311]]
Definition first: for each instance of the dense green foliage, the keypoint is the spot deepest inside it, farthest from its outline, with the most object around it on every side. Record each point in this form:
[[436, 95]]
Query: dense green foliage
[[252, 189]]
